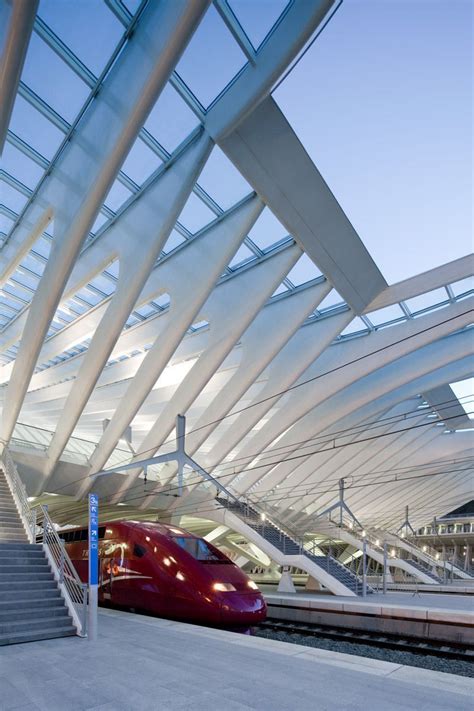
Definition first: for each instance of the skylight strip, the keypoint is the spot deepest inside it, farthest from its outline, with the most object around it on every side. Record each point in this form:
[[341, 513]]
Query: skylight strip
[[236, 30]]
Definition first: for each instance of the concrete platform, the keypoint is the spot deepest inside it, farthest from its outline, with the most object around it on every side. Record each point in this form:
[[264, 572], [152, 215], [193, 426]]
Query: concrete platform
[[144, 663], [426, 616]]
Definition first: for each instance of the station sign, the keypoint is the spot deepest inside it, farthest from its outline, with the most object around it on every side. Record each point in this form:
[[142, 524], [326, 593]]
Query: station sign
[[93, 539]]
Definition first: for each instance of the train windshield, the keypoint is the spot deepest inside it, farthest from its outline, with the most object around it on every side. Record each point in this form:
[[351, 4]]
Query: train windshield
[[200, 550]]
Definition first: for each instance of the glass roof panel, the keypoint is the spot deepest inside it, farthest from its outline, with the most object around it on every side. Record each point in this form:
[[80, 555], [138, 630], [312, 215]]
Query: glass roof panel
[[461, 287], [10, 197], [141, 162], [267, 230], [173, 241], [34, 128], [389, 313], [92, 33], [195, 214], [354, 326], [20, 166], [132, 5], [222, 180], [464, 391], [243, 255], [332, 299], [303, 271], [170, 133], [257, 18], [51, 78], [281, 290], [406, 76], [5, 222], [117, 195], [424, 301], [208, 66], [100, 220]]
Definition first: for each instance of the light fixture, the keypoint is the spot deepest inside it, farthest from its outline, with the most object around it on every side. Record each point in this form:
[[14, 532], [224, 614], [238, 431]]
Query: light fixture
[[252, 585], [180, 576], [167, 561], [263, 517], [223, 587]]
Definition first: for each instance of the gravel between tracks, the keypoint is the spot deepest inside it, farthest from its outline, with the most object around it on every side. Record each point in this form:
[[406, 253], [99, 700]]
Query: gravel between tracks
[[426, 661]]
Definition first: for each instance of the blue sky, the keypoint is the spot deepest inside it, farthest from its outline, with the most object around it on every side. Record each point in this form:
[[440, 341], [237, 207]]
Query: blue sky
[[383, 104]]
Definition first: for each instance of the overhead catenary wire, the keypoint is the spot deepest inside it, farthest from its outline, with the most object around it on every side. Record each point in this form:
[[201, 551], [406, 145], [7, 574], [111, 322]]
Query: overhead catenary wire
[[276, 462], [190, 507], [297, 385], [305, 382]]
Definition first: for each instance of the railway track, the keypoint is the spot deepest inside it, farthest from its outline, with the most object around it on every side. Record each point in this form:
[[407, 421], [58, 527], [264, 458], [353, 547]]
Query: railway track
[[402, 643]]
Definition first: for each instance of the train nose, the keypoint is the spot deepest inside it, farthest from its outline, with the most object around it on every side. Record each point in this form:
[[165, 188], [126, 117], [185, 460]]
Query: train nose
[[243, 609]]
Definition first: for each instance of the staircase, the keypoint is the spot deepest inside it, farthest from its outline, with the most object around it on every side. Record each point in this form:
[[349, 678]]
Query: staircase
[[31, 604], [424, 569], [290, 547], [426, 556]]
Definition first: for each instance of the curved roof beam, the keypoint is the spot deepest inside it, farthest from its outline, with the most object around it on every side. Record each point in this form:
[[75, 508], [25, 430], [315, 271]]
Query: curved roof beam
[[91, 160], [16, 24], [450, 273], [363, 391]]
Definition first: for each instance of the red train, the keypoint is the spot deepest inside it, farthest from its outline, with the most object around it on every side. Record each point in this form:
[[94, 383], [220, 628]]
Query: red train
[[168, 572]]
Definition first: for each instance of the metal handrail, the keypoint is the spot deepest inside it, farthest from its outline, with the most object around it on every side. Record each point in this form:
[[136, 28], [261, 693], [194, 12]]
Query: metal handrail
[[294, 536], [27, 514], [73, 590], [36, 520]]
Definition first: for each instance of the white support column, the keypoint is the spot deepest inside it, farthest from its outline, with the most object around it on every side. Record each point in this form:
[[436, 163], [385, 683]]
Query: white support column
[[149, 224], [187, 297], [91, 162]]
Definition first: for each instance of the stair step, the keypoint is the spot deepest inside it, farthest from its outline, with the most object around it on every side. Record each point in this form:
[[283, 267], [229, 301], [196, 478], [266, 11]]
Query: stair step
[[8, 557], [31, 614], [15, 585], [32, 625], [49, 593], [20, 637], [36, 603], [32, 574], [19, 537], [20, 546], [31, 566]]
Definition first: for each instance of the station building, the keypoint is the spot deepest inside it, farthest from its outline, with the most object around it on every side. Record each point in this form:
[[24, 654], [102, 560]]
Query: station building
[[193, 330]]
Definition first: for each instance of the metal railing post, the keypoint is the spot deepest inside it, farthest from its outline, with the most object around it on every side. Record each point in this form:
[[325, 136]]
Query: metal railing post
[[364, 568], [84, 609], [33, 525], [385, 565], [61, 564]]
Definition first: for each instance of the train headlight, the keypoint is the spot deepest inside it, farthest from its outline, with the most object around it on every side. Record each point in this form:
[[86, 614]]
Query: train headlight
[[252, 585], [223, 587]]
